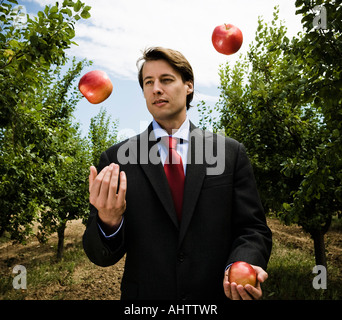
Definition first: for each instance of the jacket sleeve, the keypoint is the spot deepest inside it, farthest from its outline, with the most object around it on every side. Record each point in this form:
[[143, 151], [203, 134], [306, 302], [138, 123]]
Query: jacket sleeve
[[101, 251], [252, 239]]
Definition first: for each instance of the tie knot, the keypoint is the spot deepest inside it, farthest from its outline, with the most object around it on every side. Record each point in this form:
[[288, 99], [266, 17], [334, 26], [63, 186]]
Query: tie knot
[[172, 143], [169, 142]]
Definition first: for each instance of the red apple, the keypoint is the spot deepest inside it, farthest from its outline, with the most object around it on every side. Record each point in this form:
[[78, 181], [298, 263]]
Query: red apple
[[227, 39], [95, 86], [242, 273]]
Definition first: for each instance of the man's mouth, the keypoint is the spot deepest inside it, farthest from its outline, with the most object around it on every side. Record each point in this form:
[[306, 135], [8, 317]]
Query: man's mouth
[[160, 101]]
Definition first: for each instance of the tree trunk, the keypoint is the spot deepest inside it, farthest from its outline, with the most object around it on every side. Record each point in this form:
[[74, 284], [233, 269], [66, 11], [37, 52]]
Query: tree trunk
[[319, 245], [60, 246]]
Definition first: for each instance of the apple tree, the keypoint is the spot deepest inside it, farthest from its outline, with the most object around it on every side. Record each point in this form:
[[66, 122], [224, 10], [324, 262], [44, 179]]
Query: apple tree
[[29, 46], [66, 188], [28, 51], [320, 50], [273, 100], [68, 197]]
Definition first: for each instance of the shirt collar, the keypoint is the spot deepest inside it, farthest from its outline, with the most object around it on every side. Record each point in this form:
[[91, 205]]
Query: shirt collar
[[182, 133]]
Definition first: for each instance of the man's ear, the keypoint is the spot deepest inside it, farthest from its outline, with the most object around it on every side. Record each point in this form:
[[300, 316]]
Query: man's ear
[[190, 86]]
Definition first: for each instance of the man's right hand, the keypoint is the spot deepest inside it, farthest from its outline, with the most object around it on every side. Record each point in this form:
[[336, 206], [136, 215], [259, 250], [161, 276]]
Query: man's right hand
[[104, 196]]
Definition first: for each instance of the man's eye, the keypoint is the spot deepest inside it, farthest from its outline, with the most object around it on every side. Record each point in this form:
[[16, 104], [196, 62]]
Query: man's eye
[[167, 80], [148, 82]]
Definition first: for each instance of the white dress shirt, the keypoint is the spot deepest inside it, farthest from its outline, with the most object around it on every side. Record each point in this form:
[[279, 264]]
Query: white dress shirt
[[182, 133]]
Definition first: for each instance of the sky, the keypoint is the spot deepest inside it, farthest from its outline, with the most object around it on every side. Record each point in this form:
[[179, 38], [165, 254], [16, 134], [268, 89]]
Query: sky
[[119, 30]]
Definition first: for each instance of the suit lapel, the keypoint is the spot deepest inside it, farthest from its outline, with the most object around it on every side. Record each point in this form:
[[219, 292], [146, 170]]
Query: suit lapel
[[149, 160]]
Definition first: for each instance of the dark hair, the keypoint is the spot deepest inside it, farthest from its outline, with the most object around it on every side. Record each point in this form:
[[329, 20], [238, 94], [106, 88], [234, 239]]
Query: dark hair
[[175, 59]]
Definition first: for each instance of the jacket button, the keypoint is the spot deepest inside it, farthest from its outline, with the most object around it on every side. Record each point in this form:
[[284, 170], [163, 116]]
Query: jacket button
[[180, 257]]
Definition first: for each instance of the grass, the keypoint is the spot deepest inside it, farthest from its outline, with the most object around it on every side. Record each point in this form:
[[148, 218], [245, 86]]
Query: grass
[[290, 276], [45, 273]]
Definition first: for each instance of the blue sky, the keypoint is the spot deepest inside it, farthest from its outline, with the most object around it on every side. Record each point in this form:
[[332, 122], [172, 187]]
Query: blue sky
[[114, 37]]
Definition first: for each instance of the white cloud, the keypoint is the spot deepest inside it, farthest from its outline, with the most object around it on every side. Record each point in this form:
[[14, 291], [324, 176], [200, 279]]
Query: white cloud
[[205, 97], [119, 30]]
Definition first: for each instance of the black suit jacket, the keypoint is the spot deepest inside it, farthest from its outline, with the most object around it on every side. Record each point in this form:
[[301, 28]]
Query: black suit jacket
[[222, 222]]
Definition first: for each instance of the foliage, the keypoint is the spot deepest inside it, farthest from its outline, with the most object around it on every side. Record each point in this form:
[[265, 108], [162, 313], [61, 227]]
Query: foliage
[[320, 50], [258, 106], [27, 50], [44, 161], [101, 135], [66, 196], [34, 116]]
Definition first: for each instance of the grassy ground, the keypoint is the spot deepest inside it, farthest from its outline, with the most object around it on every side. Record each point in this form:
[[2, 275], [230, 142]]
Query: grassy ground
[[291, 276], [291, 264], [75, 277]]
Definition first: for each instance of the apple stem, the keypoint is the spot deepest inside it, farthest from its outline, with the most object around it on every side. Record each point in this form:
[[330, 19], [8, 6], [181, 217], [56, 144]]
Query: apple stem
[[227, 28]]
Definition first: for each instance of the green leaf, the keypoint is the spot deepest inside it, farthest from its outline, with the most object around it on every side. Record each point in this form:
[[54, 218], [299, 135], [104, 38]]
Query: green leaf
[[46, 10], [85, 14], [287, 206], [2, 38], [336, 133], [14, 43], [67, 11], [78, 6], [54, 9], [41, 15]]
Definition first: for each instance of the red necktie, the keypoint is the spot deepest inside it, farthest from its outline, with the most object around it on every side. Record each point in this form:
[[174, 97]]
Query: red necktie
[[175, 175]]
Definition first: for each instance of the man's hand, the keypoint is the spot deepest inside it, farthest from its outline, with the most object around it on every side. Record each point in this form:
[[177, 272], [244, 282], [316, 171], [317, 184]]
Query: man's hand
[[104, 196], [248, 292]]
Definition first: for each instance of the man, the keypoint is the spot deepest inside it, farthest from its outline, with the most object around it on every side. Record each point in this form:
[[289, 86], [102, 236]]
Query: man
[[180, 203]]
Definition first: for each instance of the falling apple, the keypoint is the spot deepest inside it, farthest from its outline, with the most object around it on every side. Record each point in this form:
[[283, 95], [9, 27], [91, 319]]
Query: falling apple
[[242, 273], [95, 86], [227, 39]]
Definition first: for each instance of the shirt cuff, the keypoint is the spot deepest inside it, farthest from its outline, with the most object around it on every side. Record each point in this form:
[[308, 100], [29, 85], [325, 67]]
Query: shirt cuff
[[227, 267], [113, 234]]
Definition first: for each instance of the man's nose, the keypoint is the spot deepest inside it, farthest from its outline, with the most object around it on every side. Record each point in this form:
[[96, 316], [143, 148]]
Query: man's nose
[[157, 88]]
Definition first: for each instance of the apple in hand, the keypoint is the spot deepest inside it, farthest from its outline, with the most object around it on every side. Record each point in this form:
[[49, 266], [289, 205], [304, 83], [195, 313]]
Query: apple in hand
[[242, 273], [227, 39], [95, 86]]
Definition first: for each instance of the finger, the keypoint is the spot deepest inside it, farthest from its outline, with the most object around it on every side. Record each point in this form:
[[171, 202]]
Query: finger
[[92, 176], [227, 289], [100, 176], [226, 274], [255, 292], [105, 184], [96, 185], [243, 293], [226, 285], [113, 183], [261, 273], [122, 188], [234, 291], [262, 276]]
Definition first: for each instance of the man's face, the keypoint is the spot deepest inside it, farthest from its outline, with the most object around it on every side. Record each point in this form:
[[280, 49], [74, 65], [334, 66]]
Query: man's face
[[165, 92]]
